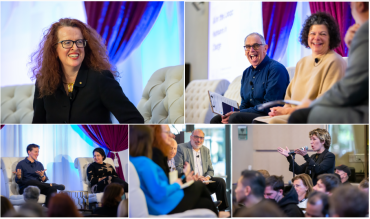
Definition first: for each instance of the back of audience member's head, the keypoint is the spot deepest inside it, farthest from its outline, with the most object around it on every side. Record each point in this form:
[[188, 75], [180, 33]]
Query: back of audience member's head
[[326, 183], [61, 205], [307, 182], [6, 206], [338, 176], [364, 185], [265, 173], [122, 210], [32, 209], [112, 195], [141, 140], [31, 194], [262, 209], [252, 179], [317, 204], [348, 201]]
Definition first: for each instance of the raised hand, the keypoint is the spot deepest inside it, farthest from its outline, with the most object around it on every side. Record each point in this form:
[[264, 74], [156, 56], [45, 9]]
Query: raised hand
[[18, 173], [41, 173], [186, 168], [300, 152], [190, 176], [284, 152]]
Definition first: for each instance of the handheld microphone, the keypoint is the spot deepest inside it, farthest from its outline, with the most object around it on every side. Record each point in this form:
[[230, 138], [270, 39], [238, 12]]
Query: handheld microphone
[[317, 60], [305, 148]]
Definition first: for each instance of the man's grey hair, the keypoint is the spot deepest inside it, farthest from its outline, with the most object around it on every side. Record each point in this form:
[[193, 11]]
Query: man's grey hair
[[197, 130], [31, 194], [257, 34]]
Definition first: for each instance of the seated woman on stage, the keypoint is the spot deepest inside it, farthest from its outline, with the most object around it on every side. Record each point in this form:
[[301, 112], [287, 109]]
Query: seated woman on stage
[[162, 197], [101, 174], [303, 185], [75, 83], [321, 162], [316, 73]]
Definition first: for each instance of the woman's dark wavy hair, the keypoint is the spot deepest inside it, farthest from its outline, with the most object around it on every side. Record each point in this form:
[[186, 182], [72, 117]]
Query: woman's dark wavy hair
[[46, 67], [325, 19]]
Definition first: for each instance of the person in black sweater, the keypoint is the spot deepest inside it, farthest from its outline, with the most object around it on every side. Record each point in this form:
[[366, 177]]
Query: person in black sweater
[[101, 174], [111, 198], [321, 162], [75, 83]]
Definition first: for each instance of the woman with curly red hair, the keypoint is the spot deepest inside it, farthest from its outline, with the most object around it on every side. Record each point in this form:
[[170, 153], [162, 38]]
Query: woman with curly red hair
[[75, 83]]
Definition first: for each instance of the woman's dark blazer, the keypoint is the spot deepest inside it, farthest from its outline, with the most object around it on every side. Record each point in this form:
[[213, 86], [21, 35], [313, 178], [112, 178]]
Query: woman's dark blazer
[[325, 163], [94, 96]]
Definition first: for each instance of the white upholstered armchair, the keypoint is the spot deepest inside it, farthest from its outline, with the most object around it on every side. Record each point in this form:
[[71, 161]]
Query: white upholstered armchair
[[8, 165], [163, 96]]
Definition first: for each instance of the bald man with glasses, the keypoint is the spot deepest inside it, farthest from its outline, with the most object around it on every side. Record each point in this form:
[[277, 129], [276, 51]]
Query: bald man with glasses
[[199, 158]]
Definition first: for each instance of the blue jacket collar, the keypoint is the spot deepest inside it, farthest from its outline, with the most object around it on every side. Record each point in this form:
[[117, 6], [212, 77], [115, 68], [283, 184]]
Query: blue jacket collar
[[262, 64]]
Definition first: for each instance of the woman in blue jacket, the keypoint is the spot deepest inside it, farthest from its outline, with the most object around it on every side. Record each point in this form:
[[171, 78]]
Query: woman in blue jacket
[[162, 197]]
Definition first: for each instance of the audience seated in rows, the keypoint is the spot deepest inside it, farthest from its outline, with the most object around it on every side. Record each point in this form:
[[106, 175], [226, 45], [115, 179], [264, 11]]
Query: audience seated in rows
[[364, 186], [348, 201], [6, 206], [265, 173], [61, 205]]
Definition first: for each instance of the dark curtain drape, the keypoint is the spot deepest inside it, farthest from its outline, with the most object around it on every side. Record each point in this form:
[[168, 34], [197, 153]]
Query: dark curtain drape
[[341, 11], [123, 25], [2, 126], [111, 137], [278, 18]]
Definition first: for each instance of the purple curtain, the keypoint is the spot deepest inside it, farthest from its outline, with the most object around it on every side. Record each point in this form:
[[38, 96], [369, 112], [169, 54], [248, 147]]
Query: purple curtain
[[2, 126], [341, 11], [111, 137], [278, 18], [123, 25]]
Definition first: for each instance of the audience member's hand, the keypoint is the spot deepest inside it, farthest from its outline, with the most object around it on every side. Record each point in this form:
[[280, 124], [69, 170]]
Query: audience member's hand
[[18, 173], [41, 173], [100, 179], [186, 168], [284, 152], [278, 111], [300, 152], [304, 103], [179, 181], [196, 177], [350, 34]]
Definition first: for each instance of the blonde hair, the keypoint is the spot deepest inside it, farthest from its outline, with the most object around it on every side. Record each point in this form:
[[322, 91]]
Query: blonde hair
[[323, 135], [306, 180]]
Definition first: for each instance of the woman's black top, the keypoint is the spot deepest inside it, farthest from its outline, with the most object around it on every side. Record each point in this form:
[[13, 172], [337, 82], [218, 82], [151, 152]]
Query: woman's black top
[[315, 165], [106, 211], [94, 96], [96, 171]]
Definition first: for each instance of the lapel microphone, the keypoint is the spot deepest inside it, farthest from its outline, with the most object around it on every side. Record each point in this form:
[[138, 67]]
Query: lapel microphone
[[317, 60]]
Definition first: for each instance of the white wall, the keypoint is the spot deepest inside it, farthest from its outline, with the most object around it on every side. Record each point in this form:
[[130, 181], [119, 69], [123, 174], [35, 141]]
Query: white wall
[[196, 41]]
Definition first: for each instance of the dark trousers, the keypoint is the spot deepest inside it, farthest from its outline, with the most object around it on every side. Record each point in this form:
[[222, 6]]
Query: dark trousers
[[299, 116], [195, 196], [219, 187], [108, 180], [241, 118], [45, 189]]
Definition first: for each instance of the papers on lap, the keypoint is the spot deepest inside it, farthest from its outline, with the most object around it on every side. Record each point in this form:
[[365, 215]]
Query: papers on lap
[[216, 101]]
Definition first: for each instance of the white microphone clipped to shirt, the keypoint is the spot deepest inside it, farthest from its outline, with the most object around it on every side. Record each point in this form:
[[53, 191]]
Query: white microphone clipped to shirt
[[305, 148]]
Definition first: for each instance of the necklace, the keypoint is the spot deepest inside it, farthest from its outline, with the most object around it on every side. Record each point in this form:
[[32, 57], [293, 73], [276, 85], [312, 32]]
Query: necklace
[[69, 86]]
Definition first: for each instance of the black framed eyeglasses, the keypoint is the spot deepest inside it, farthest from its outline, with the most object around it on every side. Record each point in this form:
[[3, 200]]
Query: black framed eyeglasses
[[255, 46], [67, 44]]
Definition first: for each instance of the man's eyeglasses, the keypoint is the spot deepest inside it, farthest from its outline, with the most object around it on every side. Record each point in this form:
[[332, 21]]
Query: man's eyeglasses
[[198, 137], [67, 44], [255, 46]]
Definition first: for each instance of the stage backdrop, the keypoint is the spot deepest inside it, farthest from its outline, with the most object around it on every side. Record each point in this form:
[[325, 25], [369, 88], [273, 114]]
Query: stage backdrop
[[59, 146]]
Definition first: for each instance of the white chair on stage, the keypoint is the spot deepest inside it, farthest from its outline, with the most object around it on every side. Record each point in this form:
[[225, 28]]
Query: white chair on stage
[[138, 207], [8, 165]]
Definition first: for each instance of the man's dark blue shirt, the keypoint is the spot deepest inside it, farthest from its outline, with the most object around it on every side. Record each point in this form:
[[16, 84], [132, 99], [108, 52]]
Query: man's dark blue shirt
[[267, 82], [29, 171]]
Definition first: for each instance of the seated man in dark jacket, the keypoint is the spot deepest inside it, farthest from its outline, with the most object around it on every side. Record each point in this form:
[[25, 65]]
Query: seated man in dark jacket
[[288, 203], [30, 172]]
